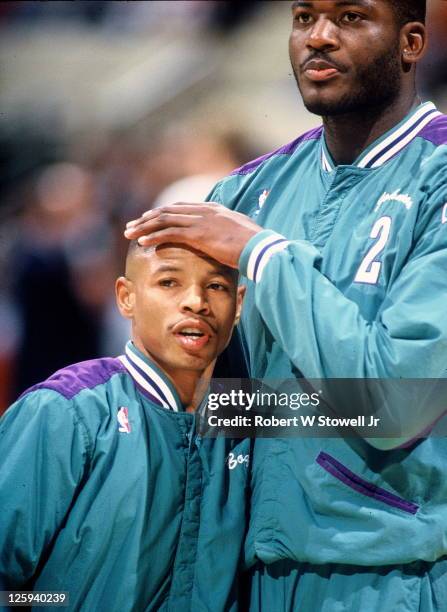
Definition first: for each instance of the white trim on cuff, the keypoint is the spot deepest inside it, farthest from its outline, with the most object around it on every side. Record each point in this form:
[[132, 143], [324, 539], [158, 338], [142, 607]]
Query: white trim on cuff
[[261, 254]]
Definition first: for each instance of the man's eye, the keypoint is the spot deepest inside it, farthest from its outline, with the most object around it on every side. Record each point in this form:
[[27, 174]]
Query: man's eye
[[167, 282], [217, 287], [303, 18], [351, 17]]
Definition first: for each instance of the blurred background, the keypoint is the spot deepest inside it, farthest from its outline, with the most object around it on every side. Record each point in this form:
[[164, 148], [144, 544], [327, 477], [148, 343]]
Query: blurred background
[[108, 109]]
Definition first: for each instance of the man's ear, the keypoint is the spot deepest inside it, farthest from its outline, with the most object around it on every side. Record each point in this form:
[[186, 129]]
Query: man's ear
[[413, 37], [239, 300], [125, 296]]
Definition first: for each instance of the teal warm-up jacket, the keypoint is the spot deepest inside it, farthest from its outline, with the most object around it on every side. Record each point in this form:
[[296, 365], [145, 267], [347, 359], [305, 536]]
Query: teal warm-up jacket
[[348, 280], [107, 492]]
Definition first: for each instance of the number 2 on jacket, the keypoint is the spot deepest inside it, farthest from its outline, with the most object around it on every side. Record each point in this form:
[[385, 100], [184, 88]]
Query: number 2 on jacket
[[369, 269]]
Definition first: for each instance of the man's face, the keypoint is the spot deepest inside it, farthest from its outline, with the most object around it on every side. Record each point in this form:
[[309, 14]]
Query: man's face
[[183, 306], [345, 55]]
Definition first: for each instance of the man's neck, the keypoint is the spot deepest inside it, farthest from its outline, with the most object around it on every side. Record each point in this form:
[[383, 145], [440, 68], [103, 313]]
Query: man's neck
[[191, 385], [348, 135]]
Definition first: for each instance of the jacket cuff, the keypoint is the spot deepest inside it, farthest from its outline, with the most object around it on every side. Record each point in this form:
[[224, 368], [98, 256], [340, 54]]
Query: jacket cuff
[[258, 251]]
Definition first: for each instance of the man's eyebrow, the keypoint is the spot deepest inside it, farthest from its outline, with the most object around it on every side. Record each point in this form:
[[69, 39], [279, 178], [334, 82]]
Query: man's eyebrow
[[165, 267], [299, 4], [304, 4], [354, 2], [226, 272]]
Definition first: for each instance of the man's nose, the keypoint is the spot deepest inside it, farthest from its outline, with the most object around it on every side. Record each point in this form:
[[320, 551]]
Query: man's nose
[[323, 35], [195, 300]]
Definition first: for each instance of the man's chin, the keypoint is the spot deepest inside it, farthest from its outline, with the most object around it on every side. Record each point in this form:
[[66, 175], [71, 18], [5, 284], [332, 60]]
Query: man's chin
[[324, 99], [326, 104], [194, 361], [329, 108]]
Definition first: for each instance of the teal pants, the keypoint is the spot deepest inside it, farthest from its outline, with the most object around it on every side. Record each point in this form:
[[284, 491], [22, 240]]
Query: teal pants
[[287, 586]]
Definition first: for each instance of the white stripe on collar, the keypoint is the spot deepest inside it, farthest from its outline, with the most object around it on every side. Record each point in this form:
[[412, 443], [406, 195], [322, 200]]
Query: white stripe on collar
[[324, 160], [402, 143], [142, 381], [399, 138], [149, 379]]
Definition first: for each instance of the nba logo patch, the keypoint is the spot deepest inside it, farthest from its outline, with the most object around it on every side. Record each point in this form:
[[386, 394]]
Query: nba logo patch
[[262, 198], [444, 214], [123, 420], [261, 201]]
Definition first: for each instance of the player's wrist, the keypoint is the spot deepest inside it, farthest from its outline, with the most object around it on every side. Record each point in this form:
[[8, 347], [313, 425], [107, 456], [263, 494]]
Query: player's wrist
[[257, 252]]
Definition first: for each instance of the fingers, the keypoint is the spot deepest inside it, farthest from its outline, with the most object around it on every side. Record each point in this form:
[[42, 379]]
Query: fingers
[[200, 208], [188, 238], [149, 225], [176, 235]]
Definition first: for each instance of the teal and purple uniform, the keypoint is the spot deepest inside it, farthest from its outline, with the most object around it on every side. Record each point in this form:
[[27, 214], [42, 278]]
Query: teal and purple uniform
[[107, 492], [348, 280]]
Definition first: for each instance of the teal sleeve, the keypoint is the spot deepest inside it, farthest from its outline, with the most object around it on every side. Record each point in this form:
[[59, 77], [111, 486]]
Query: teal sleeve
[[43, 451], [323, 332]]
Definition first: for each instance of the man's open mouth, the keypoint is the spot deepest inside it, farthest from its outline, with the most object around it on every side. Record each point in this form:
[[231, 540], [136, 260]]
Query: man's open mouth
[[192, 335]]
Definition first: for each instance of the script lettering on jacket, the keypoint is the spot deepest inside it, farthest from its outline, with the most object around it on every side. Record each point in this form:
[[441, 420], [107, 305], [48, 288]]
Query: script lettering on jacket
[[235, 460]]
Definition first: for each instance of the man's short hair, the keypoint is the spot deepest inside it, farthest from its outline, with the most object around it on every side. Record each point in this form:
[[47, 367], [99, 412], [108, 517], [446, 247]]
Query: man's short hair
[[135, 249], [409, 10]]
